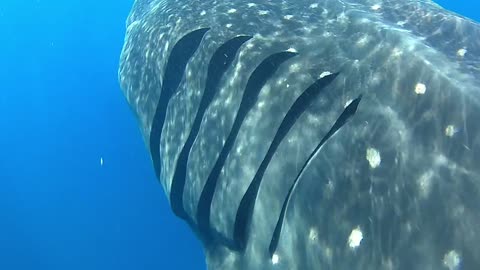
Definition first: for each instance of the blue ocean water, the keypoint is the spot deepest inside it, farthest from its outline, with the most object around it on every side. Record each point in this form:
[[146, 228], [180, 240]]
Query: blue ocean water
[[61, 113]]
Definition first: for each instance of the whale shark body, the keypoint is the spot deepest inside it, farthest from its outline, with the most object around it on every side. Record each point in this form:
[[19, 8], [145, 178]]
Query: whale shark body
[[313, 134]]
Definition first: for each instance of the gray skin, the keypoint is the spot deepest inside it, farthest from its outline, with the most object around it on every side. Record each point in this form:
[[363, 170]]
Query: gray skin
[[404, 172]]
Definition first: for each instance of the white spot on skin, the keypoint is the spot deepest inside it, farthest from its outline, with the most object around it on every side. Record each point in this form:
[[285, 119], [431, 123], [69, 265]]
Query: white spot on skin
[[325, 73], [396, 52], [387, 264], [440, 160], [295, 67], [261, 104], [280, 82], [461, 52], [362, 41], [330, 187], [355, 238], [342, 18], [275, 258], [328, 253], [228, 100], [376, 7], [420, 89], [450, 130], [373, 157], [425, 183], [327, 34], [292, 50], [347, 103], [232, 10], [452, 260], [313, 235]]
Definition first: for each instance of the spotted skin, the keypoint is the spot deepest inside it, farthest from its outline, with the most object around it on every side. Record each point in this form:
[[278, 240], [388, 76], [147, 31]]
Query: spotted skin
[[397, 187]]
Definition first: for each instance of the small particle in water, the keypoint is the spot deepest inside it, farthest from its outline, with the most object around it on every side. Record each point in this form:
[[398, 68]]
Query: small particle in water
[[275, 258], [229, 25], [288, 17], [452, 260], [355, 238], [101, 161], [314, 5], [232, 10], [373, 157], [420, 88], [461, 52], [262, 12], [376, 7], [203, 13], [450, 130]]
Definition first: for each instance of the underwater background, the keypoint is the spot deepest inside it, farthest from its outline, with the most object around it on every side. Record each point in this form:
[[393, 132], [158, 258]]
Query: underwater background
[[77, 189]]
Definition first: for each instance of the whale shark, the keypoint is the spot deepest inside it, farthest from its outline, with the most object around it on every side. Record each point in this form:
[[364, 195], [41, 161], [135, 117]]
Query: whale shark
[[312, 134]]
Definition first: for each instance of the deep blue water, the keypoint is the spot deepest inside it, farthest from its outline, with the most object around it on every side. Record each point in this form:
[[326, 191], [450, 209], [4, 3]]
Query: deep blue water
[[61, 110]]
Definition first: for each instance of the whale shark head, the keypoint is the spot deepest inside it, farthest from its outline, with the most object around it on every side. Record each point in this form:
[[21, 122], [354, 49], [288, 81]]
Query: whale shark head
[[313, 134]]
